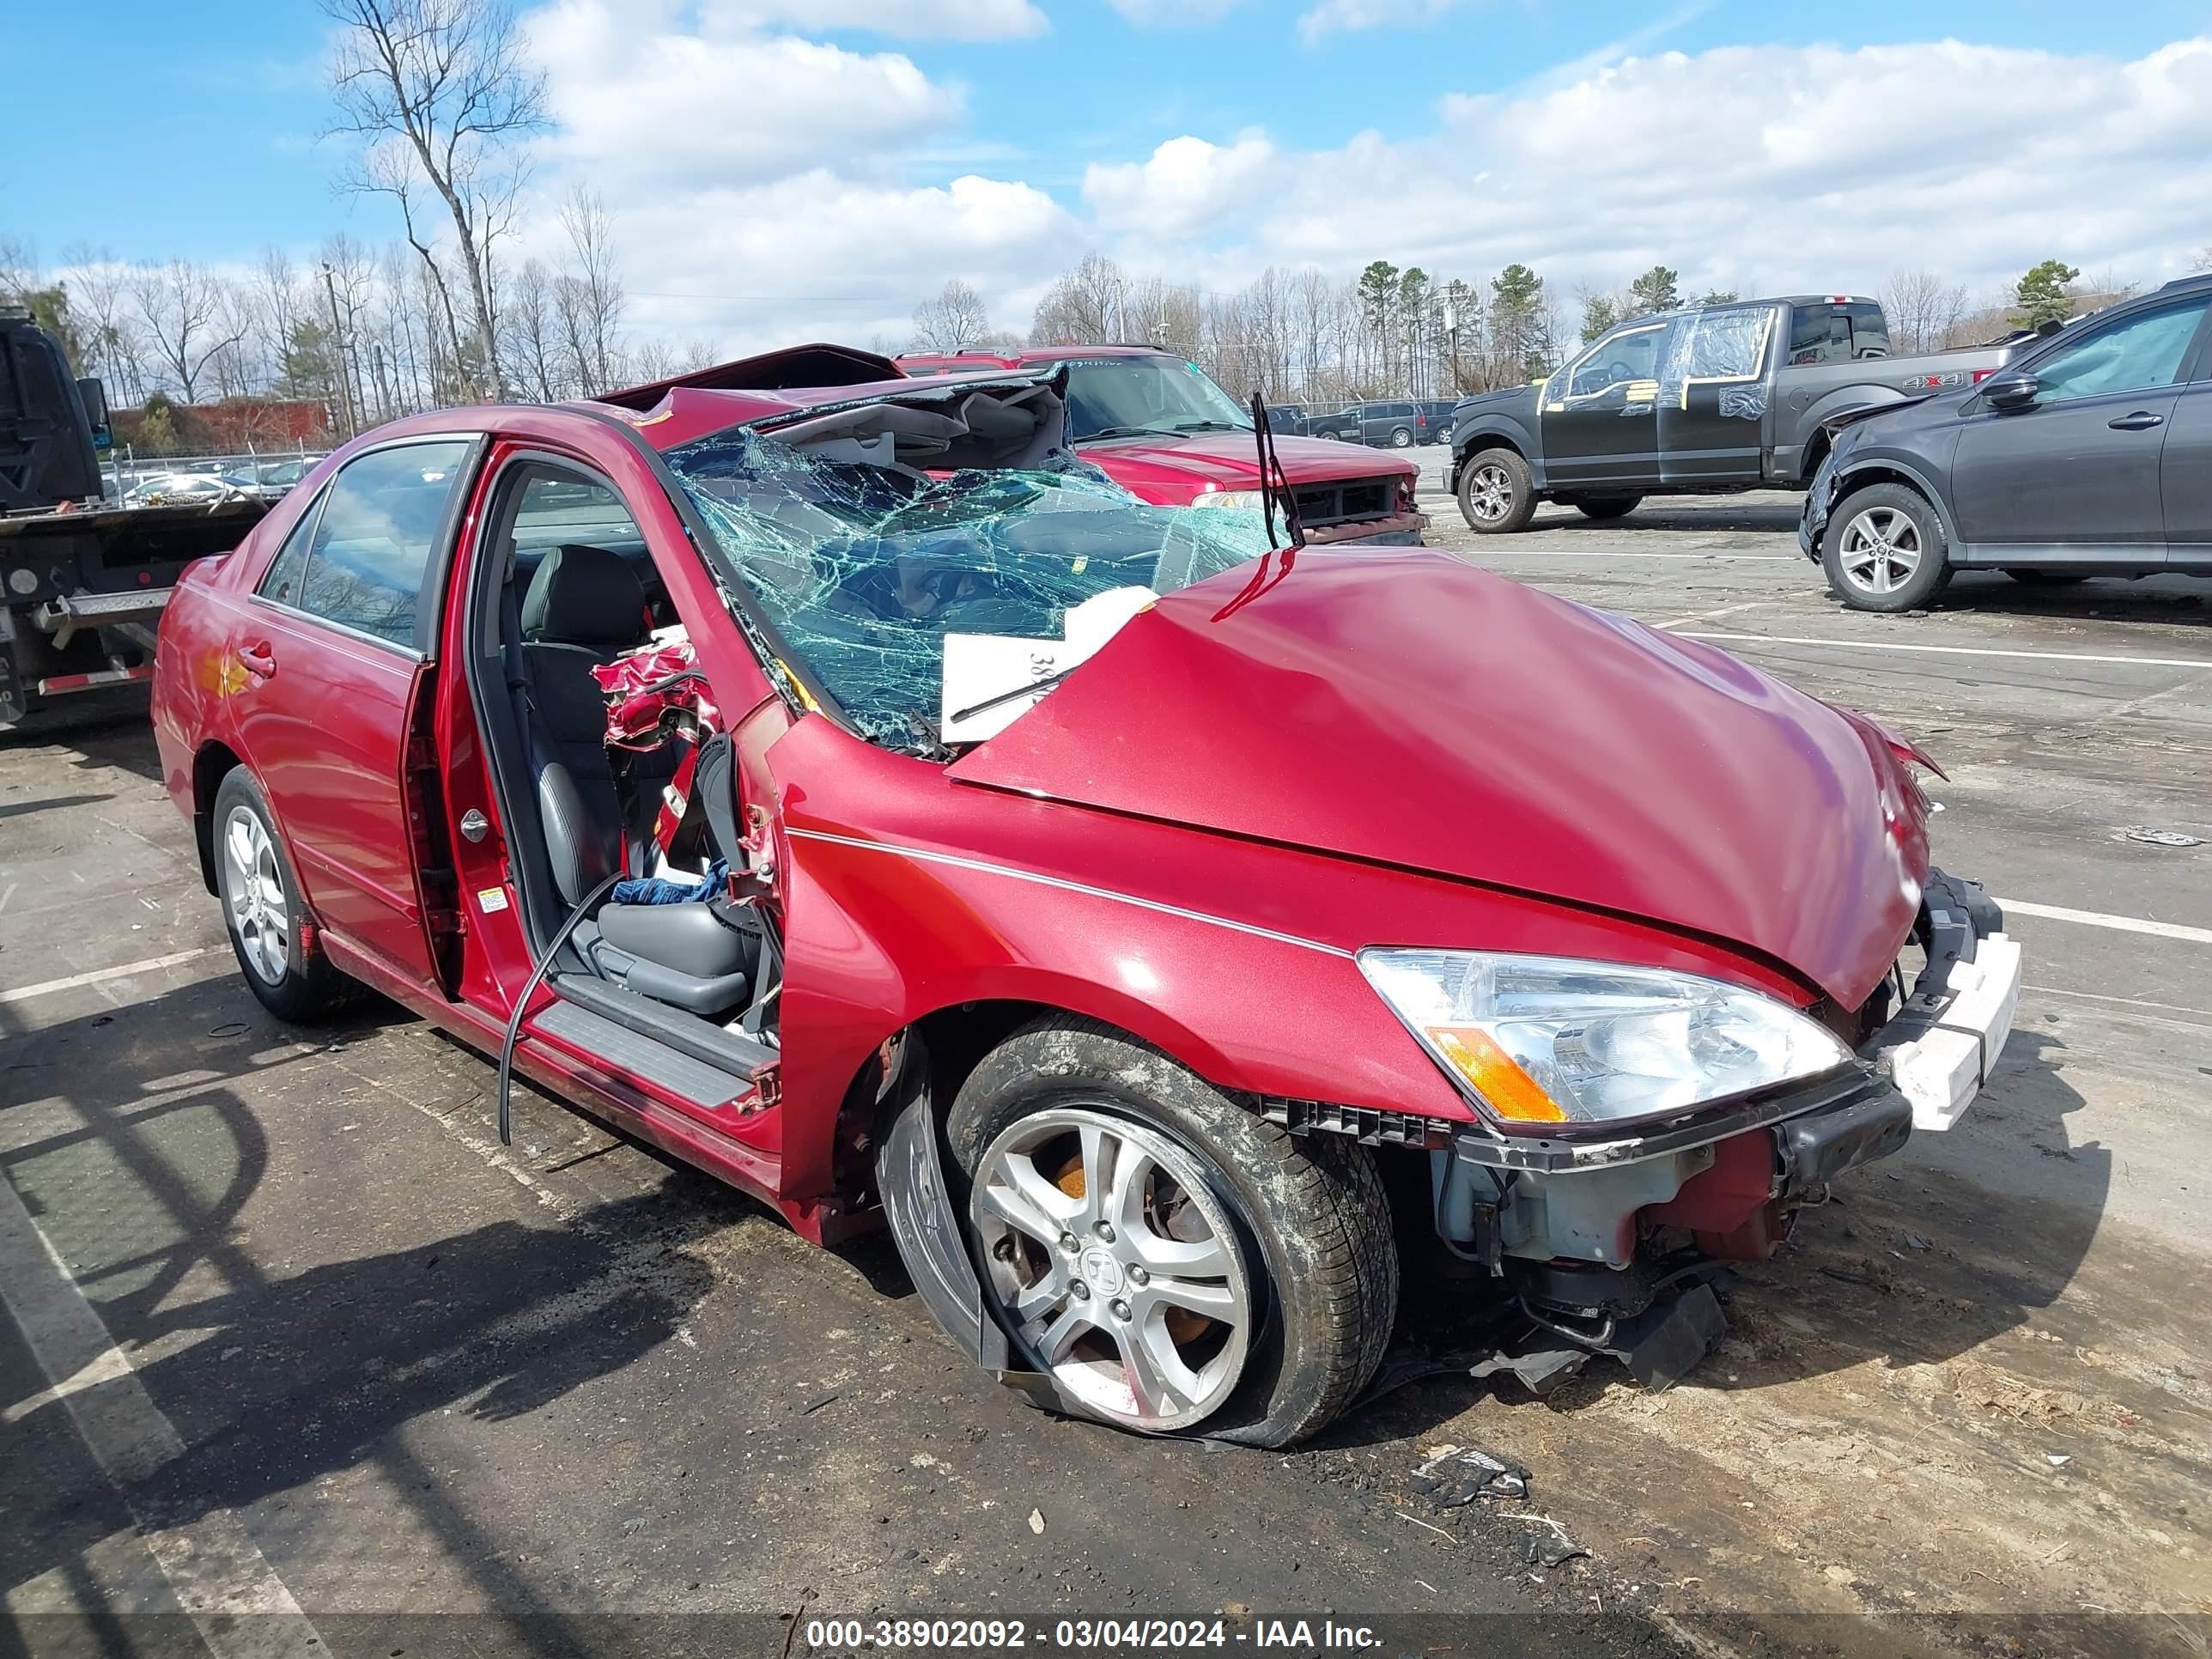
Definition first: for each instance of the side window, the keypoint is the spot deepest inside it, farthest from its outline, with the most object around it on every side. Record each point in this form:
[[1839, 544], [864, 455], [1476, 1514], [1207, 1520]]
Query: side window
[[280, 581], [1724, 345], [1617, 359], [371, 539], [2136, 356], [555, 507]]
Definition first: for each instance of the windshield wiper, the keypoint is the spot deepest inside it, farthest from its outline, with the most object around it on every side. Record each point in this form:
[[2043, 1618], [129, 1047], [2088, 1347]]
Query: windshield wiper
[[1129, 432], [1212, 426]]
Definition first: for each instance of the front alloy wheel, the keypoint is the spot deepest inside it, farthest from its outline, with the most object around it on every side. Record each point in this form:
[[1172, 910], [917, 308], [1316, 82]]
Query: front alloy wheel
[[1116, 1269], [1495, 493], [1885, 550], [1881, 550]]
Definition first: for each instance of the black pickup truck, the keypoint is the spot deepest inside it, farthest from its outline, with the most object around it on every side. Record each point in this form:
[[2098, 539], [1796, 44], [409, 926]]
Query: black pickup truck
[[1701, 399]]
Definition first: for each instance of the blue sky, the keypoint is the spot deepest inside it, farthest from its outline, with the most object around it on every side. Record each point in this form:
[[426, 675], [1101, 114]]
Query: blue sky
[[1379, 136]]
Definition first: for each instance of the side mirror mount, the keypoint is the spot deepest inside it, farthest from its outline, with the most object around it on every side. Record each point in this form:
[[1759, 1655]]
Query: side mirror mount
[[2012, 390]]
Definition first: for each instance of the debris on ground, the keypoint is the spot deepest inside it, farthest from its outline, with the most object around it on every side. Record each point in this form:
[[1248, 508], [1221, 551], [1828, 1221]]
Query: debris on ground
[[1547, 1553], [1457, 1475], [1037, 1521], [2143, 832]]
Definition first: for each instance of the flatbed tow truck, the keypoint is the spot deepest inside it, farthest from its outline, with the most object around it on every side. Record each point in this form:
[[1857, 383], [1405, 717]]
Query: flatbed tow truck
[[84, 580]]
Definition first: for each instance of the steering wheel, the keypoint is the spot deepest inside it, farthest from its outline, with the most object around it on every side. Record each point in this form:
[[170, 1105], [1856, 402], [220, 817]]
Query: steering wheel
[[1617, 371]]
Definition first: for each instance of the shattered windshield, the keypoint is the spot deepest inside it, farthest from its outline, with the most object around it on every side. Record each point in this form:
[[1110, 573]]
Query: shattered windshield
[[865, 569], [1130, 397]]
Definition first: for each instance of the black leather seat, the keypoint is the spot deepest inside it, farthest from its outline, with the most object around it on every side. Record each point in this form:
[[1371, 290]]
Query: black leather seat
[[584, 607]]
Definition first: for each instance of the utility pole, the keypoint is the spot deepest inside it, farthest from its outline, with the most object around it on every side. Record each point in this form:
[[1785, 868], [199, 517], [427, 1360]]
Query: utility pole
[[337, 345], [1451, 328]]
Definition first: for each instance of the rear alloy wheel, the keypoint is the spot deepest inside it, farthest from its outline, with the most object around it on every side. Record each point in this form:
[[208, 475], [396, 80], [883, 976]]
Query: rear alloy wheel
[[261, 906], [1885, 550], [1174, 1263], [1401, 437], [2028, 576], [1495, 493], [1602, 507]]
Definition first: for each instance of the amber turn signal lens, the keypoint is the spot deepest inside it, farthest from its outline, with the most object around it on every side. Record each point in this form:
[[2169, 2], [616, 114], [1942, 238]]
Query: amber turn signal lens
[[1496, 1075]]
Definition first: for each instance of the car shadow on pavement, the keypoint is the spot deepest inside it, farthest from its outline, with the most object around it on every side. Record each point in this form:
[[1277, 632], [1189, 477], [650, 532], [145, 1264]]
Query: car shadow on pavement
[[137, 1140], [2182, 601], [1669, 515], [108, 728], [1915, 1261]]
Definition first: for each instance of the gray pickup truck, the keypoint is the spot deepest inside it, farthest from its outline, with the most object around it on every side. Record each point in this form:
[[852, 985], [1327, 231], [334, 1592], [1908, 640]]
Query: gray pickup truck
[[1705, 399]]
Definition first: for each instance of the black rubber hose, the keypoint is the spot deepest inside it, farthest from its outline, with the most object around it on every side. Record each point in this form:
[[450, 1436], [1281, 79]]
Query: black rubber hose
[[522, 1003]]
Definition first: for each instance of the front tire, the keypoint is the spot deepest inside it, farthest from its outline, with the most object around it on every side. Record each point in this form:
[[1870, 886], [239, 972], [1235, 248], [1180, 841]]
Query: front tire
[[1176, 1264], [1603, 507], [1885, 550], [1497, 496], [262, 907]]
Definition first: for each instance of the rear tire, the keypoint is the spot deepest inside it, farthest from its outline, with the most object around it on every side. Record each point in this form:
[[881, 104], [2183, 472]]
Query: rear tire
[[1289, 1241], [2027, 576], [1602, 507], [263, 910], [1496, 494], [1885, 550], [1401, 437]]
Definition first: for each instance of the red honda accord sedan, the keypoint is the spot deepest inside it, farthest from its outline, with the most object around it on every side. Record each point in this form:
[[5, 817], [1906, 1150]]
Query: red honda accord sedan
[[1145, 922]]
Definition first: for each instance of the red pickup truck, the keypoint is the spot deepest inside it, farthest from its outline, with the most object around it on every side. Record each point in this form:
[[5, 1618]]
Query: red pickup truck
[[1159, 427]]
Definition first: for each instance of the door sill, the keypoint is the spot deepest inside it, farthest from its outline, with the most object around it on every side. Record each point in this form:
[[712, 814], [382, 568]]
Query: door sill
[[695, 1039]]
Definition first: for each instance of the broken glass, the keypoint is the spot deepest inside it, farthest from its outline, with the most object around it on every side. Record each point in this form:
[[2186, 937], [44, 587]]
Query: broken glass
[[863, 568]]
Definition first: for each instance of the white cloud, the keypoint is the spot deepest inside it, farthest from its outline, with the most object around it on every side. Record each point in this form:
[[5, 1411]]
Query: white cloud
[[1332, 16], [1175, 14], [1180, 189], [768, 188], [907, 20], [638, 101]]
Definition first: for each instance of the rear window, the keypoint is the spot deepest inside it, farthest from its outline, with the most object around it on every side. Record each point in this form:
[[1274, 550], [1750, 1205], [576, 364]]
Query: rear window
[[1837, 333]]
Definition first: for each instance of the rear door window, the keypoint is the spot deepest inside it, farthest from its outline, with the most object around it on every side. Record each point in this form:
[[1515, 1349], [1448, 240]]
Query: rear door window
[[372, 542]]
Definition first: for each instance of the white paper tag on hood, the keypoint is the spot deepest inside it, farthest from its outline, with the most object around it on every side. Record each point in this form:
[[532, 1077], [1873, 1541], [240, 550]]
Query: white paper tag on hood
[[979, 667]]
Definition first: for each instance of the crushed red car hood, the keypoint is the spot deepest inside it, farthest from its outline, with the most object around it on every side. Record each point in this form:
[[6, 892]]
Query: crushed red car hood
[[1405, 708], [1230, 460]]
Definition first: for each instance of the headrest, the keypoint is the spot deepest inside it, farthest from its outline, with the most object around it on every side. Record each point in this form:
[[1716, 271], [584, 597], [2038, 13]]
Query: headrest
[[585, 596]]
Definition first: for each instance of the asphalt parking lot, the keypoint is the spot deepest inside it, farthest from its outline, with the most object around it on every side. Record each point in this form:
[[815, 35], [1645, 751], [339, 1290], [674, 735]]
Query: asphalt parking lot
[[298, 1350]]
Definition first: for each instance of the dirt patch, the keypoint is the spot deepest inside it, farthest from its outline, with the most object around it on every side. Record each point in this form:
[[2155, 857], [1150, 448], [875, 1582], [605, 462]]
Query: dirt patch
[[1935, 1425]]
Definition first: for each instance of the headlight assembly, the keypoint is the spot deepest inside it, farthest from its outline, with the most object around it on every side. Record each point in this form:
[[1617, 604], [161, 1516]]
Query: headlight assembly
[[1547, 1040]]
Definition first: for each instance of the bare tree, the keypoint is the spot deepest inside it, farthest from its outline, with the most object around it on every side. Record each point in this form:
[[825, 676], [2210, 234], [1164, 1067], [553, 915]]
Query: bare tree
[[19, 266], [1922, 309], [590, 293], [181, 306], [1084, 308], [533, 336], [954, 318], [98, 297], [437, 91]]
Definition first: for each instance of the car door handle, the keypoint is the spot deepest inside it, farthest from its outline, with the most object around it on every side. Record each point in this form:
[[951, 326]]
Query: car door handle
[[2142, 420], [258, 659]]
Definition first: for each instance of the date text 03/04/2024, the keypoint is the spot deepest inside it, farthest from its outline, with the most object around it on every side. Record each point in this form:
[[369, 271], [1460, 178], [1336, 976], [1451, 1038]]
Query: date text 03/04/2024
[[1082, 1635]]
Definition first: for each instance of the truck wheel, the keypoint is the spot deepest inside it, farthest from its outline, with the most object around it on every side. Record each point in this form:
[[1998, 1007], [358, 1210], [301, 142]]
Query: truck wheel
[[1401, 437], [262, 909], [2028, 576], [1885, 550], [1602, 507], [1496, 494], [1174, 1263]]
